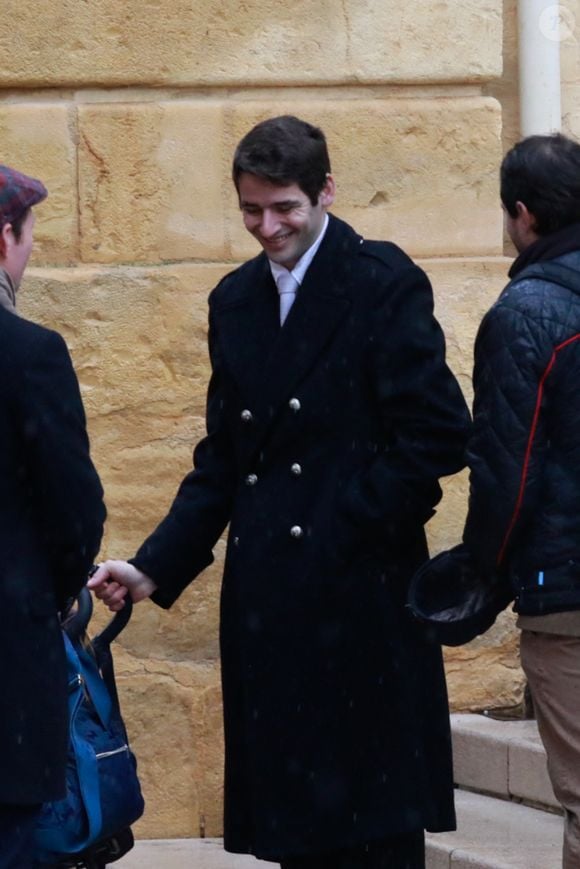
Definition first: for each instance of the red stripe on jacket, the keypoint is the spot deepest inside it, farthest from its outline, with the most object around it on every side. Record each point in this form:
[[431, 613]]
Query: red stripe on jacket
[[531, 437]]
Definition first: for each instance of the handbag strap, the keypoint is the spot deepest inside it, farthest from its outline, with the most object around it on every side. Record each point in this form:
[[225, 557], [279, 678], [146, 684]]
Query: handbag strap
[[85, 668]]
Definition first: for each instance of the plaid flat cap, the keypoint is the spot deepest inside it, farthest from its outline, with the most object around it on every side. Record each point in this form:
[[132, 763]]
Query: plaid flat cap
[[17, 193]]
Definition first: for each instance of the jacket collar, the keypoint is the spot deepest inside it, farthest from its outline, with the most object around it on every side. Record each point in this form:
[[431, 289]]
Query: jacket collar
[[548, 247], [7, 291]]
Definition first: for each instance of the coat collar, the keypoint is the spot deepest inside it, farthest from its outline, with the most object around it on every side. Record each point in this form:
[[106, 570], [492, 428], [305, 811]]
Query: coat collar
[[548, 247], [267, 361], [7, 291]]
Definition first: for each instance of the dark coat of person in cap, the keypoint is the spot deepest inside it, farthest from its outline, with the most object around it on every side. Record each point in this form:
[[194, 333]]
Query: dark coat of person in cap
[[51, 521], [325, 442]]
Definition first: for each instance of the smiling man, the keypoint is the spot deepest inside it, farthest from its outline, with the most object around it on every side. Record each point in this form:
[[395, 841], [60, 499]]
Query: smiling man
[[331, 415], [286, 220]]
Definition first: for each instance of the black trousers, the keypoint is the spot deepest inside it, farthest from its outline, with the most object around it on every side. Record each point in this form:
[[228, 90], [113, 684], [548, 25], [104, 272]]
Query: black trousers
[[406, 851], [17, 825]]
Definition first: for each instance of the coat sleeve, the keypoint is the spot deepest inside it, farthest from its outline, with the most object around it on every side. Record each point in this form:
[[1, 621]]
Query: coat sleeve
[[422, 412], [181, 545], [64, 484], [506, 451]]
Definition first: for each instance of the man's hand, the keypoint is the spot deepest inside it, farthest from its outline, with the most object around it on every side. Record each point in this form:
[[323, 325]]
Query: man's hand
[[114, 579]]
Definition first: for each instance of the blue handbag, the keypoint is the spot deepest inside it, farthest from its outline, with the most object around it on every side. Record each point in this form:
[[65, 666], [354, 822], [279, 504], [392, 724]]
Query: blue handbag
[[103, 793]]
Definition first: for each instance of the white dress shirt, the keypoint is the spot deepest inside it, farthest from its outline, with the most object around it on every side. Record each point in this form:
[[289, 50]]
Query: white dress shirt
[[280, 273]]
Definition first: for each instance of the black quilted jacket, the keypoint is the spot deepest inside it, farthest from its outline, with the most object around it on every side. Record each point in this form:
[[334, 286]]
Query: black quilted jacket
[[524, 455]]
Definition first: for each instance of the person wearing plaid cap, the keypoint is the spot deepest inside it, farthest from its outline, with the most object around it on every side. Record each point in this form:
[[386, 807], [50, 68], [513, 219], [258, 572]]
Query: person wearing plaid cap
[[18, 193], [51, 522]]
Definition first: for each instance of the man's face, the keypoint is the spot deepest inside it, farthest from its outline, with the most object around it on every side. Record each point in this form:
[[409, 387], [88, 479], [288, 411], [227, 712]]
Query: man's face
[[17, 252], [282, 219]]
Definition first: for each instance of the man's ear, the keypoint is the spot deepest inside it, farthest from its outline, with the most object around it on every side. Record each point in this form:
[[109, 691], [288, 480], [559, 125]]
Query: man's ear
[[6, 239], [328, 192], [525, 216]]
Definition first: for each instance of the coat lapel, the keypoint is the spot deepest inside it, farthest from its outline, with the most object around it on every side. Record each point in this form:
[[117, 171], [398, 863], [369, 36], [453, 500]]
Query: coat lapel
[[249, 326], [309, 327], [269, 361]]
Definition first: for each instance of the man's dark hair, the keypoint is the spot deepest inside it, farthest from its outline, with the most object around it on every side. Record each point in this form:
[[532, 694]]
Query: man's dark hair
[[543, 172], [285, 150]]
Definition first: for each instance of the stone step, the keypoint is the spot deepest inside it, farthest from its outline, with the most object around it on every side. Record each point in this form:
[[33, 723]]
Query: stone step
[[497, 834], [186, 854], [501, 758], [492, 834]]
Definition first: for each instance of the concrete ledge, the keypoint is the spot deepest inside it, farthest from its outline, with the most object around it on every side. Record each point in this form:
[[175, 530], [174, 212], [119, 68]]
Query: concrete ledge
[[480, 754], [496, 834], [492, 834], [503, 758], [186, 854]]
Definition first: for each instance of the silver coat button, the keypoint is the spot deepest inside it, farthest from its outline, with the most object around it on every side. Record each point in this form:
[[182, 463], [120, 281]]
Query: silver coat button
[[296, 469], [236, 541], [296, 532], [294, 405], [247, 415], [251, 480]]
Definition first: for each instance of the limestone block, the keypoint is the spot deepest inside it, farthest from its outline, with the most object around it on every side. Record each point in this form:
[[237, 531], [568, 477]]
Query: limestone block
[[505, 89], [464, 289], [393, 41], [208, 735], [570, 63], [138, 340], [37, 138], [444, 530], [421, 172], [138, 337], [173, 717], [216, 42], [486, 673], [571, 111], [151, 181]]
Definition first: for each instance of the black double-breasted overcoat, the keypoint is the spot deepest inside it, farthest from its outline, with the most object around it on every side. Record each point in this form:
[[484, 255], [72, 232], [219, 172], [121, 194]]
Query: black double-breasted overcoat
[[326, 438], [51, 521]]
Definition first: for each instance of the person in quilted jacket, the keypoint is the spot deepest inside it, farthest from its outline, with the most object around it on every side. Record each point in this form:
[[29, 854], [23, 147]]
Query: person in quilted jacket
[[524, 454]]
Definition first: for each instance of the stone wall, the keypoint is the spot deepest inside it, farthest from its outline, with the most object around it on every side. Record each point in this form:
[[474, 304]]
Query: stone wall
[[130, 112]]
